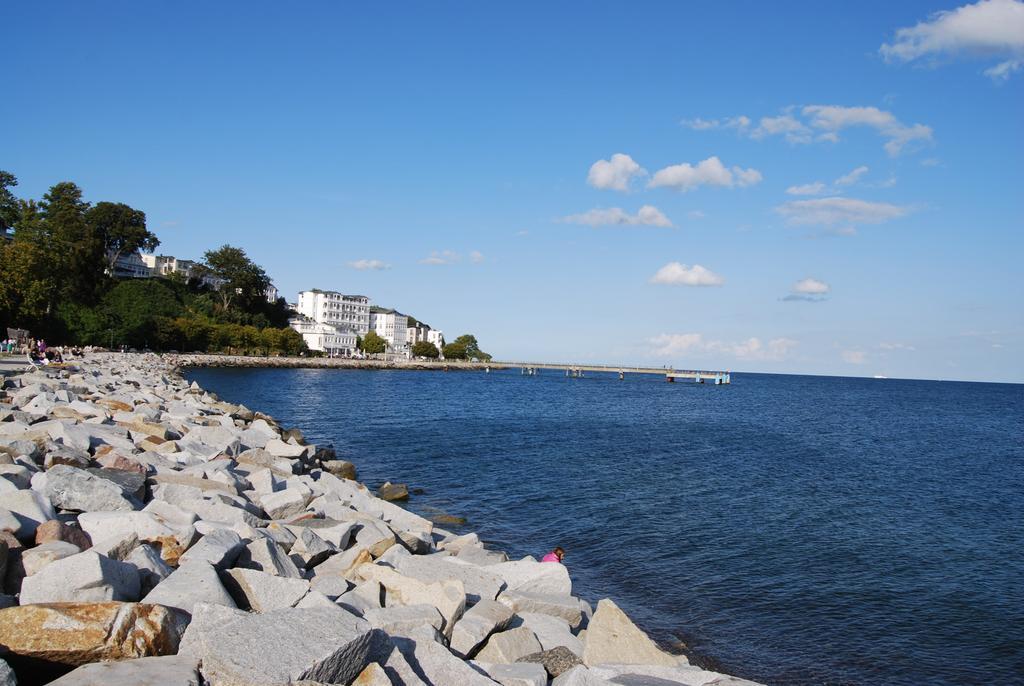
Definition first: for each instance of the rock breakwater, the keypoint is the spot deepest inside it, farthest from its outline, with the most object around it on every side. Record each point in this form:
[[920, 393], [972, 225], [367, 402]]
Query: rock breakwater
[[181, 361], [151, 533]]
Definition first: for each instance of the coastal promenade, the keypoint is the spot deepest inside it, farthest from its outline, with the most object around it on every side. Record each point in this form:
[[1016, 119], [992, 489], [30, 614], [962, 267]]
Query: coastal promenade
[[151, 533], [715, 377]]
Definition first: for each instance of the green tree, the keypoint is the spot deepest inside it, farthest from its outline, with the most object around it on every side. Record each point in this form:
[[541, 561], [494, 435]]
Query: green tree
[[121, 229], [244, 282], [80, 261], [373, 344], [10, 206], [455, 351], [473, 351], [425, 349]]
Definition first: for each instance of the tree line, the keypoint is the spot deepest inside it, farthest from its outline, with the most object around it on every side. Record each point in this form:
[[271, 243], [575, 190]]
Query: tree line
[[57, 265]]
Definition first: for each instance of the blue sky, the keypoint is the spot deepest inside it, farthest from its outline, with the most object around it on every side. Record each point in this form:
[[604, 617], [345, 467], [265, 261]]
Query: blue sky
[[818, 188]]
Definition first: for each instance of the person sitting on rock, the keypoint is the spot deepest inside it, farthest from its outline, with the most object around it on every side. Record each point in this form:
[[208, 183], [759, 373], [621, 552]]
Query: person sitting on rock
[[555, 555]]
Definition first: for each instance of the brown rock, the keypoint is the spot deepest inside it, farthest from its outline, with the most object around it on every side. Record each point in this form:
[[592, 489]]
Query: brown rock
[[390, 491], [55, 530], [80, 633], [115, 405], [343, 469], [171, 549], [151, 429], [115, 460]]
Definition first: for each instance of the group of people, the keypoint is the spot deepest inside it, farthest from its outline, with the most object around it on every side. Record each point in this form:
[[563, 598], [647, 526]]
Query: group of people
[[40, 354]]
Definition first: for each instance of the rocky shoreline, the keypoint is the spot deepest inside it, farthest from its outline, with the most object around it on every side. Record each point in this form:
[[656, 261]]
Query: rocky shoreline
[[181, 361], [152, 534]]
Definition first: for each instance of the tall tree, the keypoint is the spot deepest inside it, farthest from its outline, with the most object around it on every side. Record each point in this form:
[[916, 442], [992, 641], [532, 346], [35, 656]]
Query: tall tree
[[425, 349], [81, 262], [121, 229], [10, 206], [373, 344], [242, 279]]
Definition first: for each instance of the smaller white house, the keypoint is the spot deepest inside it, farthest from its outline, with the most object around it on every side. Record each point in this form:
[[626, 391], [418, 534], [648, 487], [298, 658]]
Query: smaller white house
[[436, 336], [328, 339], [132, 266]]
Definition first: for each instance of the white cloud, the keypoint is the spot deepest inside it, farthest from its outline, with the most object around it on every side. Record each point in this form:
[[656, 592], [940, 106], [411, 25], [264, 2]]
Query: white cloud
[[811, 286], [832, 211], [823, 123], [816, 188], [369, 265], [695, 344], [986, 28], [739, 123], [855, 356], [648, 215], [698, 124], [695, 214], [709, 172], [476, 257], [786, 125], [833, 118], [852, 177], [808, 290], [441, 257], [677, 274], [896, 346], [614, 174], [1003, 70]]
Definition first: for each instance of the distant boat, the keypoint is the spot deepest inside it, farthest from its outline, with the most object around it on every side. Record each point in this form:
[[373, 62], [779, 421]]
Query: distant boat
[[879, 376]]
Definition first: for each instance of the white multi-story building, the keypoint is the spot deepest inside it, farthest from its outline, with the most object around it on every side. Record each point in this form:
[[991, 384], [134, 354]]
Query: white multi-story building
[[132, 266], [271, 293], [393, 327], [436, 336], [165, 265], [350, 313], [325, 338]]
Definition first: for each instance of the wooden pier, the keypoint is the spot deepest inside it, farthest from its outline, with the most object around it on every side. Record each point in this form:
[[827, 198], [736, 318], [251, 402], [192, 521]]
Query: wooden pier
[[717, 378]]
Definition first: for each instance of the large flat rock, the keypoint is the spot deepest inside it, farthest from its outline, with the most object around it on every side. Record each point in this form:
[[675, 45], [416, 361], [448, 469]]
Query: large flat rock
[[448, 596], [435, 662], [315, 644], [506, 647], [263, 592], [480, 583], [550, 578], [477, 624], [70, 488], [85, 577], [29, 508], [80, 633]]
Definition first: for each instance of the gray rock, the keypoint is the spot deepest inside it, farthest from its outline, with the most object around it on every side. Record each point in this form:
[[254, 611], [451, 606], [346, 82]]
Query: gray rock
[[196, 582], [480, 584], [331, 585], [373, 675], [145, 525], [550, 578], [263, 592], [519, 674], [362, 598], [29, 508], [34, 559], [286, 503], [448, 596], [152, 569], [279, 448], [477, 624], [564, 606], [555, 661], [403, 620], [169, 670], [612, 637], [508, 646], [315, 644], [85, 577], [310, 549], [220, 548], [552, 632], [16, 474], [131, 483], [337, 533], [266, 556], [208, 620], [435, 663], [579, 676], [7, 676]]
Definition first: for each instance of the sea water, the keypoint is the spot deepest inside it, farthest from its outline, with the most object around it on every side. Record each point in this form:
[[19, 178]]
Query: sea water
[[788, 529]]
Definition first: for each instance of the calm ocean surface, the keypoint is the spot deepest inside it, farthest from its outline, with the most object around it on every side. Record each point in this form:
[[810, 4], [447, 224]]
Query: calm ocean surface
[[791, 529]]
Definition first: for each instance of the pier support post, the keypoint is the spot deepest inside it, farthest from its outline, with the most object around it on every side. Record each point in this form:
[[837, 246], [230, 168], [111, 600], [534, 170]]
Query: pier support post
[[622, 375], [670, 379]]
